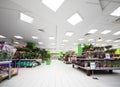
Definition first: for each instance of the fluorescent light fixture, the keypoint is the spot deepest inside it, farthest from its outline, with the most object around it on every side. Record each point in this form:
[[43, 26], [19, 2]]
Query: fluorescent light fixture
[[106, 32], [75, 43], [51, 38], [65, 40], [90, 39], [52, 43], [40, 42], [69, 34], [75, 19], [62, 44], [53, 4], [108, 40], [115, 45], [16, 42], [116, 12], [26, 18], [18, 37], [93, 31], [117, 33], [81, 39], [34, 37], [1, 36], [103, 45], [117, 41], [100, 40]]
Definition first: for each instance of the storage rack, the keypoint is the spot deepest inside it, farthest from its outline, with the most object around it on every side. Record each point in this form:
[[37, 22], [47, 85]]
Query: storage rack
[[80, 63]]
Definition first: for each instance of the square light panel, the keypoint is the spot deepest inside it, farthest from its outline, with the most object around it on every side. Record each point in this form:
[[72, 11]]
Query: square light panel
[[16, 42], [51, 38], [1, 36], [34, 37], [18, 37], [69, 34], [81, 39], [53, 4], [106, 32], [117, 33], [100, 40], [93, 31], [108, 40], [117, 41], [75, 19], [26, 18], [40, 42], [65, 40], [116, 12]]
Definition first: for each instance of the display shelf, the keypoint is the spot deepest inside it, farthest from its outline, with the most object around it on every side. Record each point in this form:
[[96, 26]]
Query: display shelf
[[7, 71], [26, 62], [98, 59], [9, 66], [108, 64]]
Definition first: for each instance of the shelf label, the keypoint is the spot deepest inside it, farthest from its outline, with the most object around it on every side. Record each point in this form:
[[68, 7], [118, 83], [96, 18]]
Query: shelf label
[[92, 65], [107, 55]]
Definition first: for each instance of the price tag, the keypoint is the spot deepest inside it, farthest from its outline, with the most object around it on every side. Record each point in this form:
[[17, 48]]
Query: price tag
[[92, 65], [107, 55]]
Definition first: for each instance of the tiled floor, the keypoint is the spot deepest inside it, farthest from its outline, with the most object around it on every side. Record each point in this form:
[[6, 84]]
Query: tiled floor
[[59, 74]]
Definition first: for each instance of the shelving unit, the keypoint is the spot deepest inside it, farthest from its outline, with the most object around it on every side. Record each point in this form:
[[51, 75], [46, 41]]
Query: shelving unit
[[9, 67], [80, 62], [7, 71]]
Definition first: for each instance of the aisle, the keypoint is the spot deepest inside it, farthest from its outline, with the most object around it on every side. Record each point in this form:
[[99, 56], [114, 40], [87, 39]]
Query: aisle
[[58, 74]]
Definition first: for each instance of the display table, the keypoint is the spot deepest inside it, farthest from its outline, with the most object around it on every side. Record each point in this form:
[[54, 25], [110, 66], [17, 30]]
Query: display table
[[107, 64], [9, 67]]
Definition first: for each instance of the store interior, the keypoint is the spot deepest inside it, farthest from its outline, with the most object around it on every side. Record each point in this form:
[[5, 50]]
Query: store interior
[[59, 43]]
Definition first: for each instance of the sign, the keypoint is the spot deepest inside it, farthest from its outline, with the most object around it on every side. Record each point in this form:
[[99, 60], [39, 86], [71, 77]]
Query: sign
[[107, 55], [92, 65]]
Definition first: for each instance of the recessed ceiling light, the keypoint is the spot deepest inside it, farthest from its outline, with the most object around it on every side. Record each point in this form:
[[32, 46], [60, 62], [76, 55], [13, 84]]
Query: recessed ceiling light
[[65, 40], [16, 42], [90, 39], [93, 31], [52, 43], [34, 37], [116, 12], [62, 44], [81, 39], [75, 43], [117, 41], [18, 37], [117, 33], [103, 45], [26, 18], [51, 38], [40, 42], [115, 45], [106, 32], [1, 36], [53, 4], [75, 19], [100, 40], [108, 40], [69, 34]]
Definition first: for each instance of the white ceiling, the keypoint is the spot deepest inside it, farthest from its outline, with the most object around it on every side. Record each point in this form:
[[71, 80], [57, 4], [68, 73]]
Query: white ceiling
[[95, 14]]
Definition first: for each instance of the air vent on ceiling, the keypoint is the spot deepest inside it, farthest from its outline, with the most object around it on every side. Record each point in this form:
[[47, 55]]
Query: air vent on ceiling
[[41, 30], [117, 20], [87, 34], [117, 39]]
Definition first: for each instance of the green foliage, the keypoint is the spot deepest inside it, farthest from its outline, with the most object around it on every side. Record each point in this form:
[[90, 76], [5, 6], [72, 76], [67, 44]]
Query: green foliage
[[30, 45], [5, 55], [87, 47]]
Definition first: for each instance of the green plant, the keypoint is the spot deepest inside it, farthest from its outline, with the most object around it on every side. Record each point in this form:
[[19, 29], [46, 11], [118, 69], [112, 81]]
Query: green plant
[[30, 45]]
